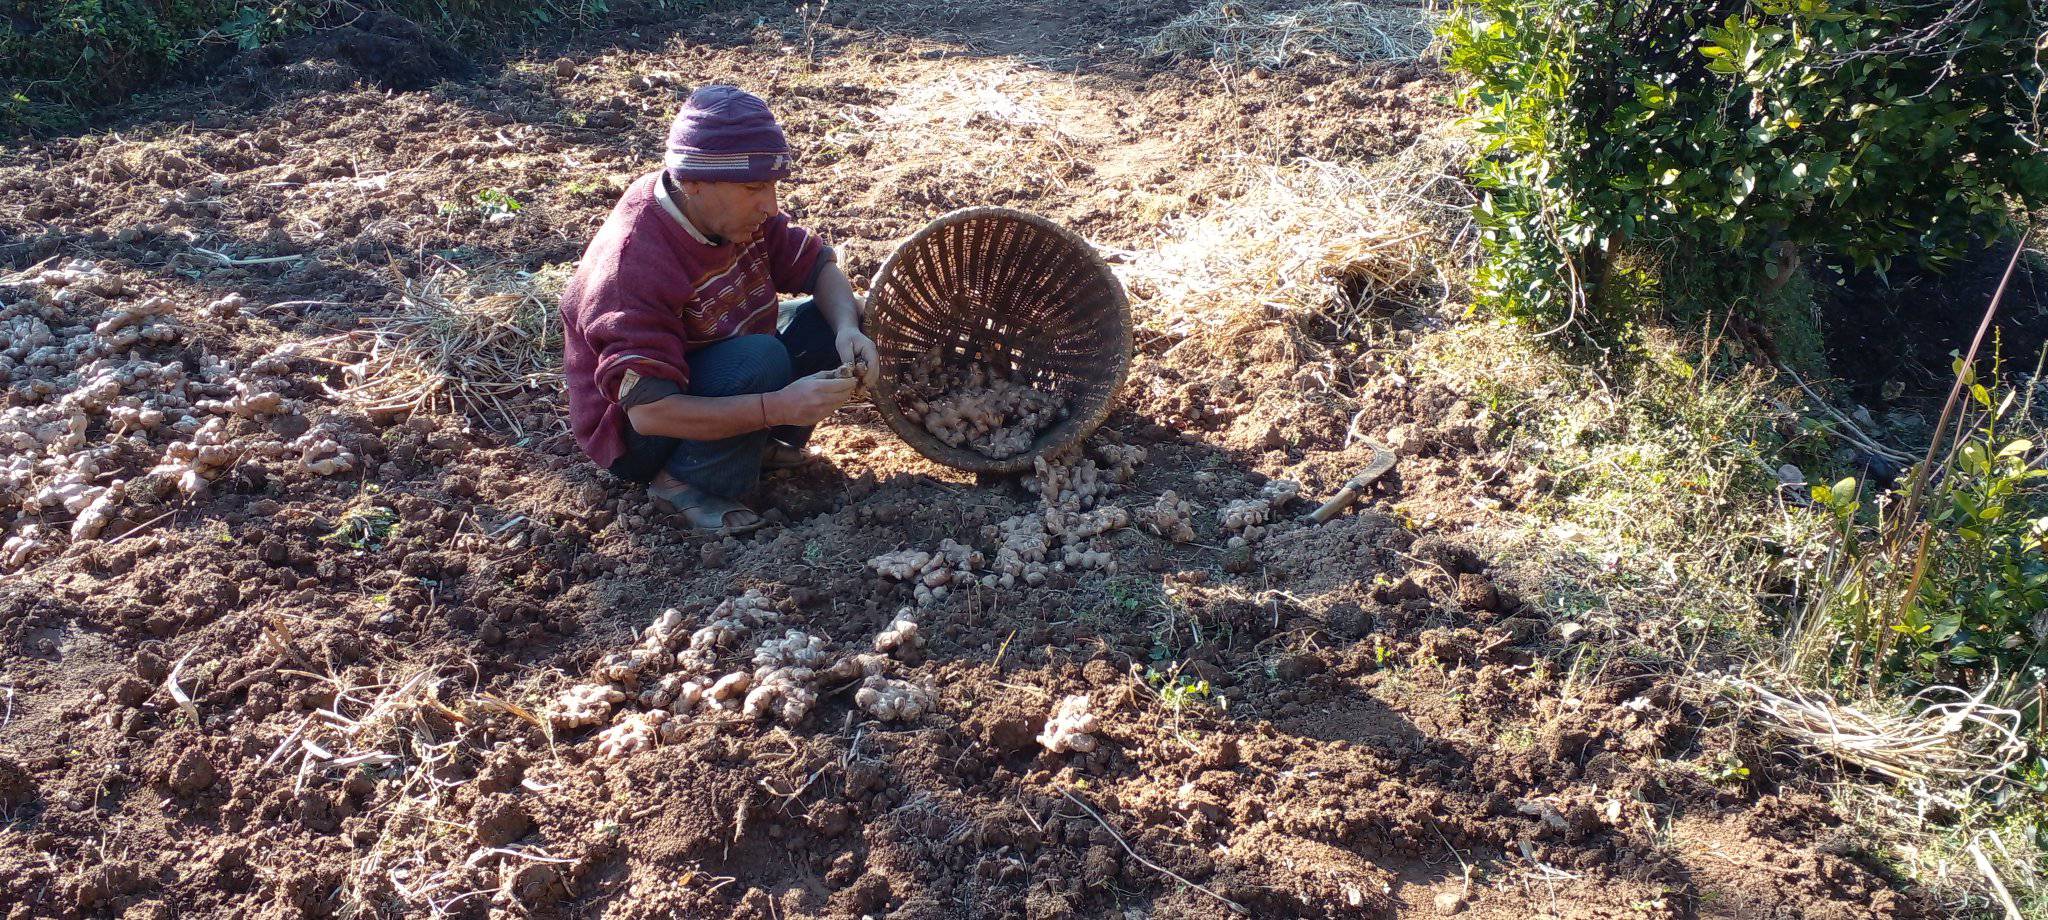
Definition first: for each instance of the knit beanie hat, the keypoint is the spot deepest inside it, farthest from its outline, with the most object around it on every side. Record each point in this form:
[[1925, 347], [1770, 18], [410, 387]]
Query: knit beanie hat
[[726, 134]]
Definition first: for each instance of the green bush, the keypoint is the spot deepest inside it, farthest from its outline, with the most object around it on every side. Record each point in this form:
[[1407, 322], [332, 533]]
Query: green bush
[[62, 55], [1736, 137]]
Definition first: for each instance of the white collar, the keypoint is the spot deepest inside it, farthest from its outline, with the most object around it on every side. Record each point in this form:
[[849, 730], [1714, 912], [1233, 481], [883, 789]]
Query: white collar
[[669, 204]]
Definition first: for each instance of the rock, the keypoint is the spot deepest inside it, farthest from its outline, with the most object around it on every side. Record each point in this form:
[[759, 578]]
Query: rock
[[1450, 902], [192, 774]]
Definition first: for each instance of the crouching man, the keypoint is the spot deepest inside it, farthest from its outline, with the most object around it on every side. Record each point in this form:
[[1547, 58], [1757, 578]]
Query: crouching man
[[685, 370]]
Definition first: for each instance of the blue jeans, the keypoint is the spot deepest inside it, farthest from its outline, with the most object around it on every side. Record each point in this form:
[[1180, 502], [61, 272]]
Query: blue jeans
[[729, 467]]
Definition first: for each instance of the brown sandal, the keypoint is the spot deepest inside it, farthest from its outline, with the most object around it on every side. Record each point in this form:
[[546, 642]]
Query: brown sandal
[[707, 515]]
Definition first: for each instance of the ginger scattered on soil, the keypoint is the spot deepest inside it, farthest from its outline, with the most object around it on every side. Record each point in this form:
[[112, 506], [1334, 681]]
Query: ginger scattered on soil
[[733, 619], [855, 667], [584, 704], [728, 688], [1078, 558], [625, 667], [970, 405], [1073, 527], [634, 732], [892, 700], [784, 692], [21, 546], [796, 648], [1279, 492], [96, 375], [1244, 520], [97, 515], [1071, 727], [1120, 461], [678, 693], [901, 634], [1068, 487], [933, 574], [1171, 517], [664, 631]]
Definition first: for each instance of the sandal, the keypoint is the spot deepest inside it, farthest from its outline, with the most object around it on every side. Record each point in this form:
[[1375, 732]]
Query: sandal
[[707, 515], [779, 456]]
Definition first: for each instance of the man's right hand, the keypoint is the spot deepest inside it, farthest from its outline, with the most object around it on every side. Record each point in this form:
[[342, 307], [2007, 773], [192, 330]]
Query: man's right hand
[[808, 400]]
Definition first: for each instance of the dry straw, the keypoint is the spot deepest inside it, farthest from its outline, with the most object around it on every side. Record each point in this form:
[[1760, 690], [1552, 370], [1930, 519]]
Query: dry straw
[[1943, 746], [463, 342], [1315, 239], [1241, 34]]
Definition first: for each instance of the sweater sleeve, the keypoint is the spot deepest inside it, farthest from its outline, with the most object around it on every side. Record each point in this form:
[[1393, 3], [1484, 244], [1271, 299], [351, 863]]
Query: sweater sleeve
[[632, 344], [794, 256]]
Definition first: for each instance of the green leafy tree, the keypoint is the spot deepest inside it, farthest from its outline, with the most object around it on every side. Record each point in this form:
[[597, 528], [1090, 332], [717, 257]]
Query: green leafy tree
[[1740, 137]]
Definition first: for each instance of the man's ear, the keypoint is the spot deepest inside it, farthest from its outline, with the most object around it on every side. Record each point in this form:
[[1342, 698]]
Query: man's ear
[[691, 187]]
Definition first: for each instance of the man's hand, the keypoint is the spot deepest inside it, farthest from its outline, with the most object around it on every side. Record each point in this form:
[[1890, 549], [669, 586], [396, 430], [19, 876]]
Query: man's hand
[[857, 349], [808, 400]]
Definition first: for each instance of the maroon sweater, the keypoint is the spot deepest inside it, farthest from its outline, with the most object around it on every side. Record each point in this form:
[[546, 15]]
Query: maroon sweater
[[651, 289]]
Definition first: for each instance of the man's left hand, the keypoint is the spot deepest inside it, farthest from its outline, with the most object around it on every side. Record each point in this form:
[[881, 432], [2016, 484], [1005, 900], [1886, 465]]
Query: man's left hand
[[857, 349]]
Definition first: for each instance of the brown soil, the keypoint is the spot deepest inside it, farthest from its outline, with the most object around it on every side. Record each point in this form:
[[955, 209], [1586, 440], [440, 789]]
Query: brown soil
[[1389, 731]]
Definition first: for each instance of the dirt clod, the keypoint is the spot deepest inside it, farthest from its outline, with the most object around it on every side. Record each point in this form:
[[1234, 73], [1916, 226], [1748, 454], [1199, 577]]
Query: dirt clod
[[499, 820], [192, 773], [17, 787]]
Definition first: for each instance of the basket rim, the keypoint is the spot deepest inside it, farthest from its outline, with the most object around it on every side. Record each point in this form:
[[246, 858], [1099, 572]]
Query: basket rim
[[1075, 428]]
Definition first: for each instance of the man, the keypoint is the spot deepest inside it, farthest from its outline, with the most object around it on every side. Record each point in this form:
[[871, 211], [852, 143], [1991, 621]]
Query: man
[[684, 370]]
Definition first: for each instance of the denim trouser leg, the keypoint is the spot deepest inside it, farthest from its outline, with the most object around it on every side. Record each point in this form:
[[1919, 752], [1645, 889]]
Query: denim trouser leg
[[731, 466]]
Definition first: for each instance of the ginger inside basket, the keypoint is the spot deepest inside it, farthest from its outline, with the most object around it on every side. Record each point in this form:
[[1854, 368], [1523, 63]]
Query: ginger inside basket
[[972, 404]]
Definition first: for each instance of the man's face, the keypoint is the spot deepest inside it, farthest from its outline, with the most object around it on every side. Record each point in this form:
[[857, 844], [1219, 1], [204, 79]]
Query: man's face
[[731, 210]]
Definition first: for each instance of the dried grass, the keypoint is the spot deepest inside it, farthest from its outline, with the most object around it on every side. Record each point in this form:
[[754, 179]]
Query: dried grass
[[998, 121], [1945, 756], [1240, 34], [1943, 746], [1315, 241], [460, 341]]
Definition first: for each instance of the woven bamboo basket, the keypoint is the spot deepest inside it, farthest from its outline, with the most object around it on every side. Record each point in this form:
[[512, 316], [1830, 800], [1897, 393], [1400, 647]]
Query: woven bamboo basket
[[1015, 290]]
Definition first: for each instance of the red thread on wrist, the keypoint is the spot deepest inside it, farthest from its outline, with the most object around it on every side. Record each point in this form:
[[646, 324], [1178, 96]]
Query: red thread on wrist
[[764, 409]]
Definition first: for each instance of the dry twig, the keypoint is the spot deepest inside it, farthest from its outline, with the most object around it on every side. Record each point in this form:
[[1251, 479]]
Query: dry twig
[[1235, 907]]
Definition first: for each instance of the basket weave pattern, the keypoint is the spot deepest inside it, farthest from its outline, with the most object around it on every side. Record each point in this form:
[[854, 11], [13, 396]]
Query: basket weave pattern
[[1014, 291]]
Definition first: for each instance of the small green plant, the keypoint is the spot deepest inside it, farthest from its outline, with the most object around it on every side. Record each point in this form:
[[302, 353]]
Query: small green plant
[[497, 204], [364, 527], [1724, 770], [1178, 691]]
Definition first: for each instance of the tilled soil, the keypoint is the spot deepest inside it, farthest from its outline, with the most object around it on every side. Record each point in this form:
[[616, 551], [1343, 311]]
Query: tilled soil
[[1354, 719]]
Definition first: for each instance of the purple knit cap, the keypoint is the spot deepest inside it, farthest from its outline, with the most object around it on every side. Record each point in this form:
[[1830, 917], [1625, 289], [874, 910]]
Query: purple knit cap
[[726, 134]]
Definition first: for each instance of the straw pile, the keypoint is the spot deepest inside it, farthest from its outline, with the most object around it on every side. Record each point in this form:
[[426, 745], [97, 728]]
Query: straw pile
[[460, 341], [1242, 34]]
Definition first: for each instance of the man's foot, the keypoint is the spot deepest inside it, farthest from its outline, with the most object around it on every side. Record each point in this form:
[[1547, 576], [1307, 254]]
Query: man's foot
[[779, 456], [705, 514]]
